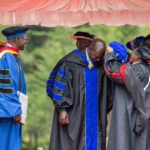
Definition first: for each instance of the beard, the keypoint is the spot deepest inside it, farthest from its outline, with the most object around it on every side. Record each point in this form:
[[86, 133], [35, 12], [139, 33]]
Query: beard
[[22, 47]]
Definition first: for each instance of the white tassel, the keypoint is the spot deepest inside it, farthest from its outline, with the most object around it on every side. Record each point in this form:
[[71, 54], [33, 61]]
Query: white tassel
[[90, 66]]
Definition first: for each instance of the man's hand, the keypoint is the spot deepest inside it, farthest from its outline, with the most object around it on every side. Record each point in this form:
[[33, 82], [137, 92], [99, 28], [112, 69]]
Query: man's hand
[[63, 118], [17, 118], [109, 49]]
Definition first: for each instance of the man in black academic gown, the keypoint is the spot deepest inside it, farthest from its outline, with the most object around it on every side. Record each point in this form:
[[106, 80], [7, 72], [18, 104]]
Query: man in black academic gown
[[135, 75], [81, 98]]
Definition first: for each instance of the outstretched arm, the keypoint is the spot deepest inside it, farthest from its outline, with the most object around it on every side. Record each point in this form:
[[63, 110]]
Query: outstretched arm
[[113, 69]]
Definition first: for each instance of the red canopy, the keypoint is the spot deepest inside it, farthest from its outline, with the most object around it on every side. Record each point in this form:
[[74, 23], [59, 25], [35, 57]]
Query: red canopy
[[74, 12]]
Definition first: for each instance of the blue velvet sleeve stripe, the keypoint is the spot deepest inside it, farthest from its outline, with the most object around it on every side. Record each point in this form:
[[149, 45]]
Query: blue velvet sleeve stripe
[[50, 82], [59, 85], [49, 90], [56, 97], [5, 81], [53, 73], [62, 72], [4, 72]]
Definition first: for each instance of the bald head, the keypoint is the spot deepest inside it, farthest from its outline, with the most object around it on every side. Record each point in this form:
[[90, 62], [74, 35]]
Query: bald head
[[97, 50], [98, 45]]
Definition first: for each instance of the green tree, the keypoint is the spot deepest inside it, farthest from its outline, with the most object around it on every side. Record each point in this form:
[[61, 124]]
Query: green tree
[[46, 46]]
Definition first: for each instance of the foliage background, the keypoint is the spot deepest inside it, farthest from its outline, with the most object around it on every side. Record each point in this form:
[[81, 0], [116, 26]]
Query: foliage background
[[46, 46]]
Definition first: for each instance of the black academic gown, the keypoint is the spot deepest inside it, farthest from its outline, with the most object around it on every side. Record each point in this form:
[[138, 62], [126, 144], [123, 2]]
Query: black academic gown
[[84, 93], [130, 123]]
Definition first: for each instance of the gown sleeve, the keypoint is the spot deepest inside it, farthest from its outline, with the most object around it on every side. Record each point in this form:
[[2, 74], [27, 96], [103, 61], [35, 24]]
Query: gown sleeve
[[113, 69], [50, 83], [110, 95], [137, 81], [9, 84], [62, 92], [51, 79]]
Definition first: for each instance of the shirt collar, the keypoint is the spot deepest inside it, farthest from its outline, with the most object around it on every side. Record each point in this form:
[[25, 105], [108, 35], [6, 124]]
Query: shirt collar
[[9, 45], [136, 63], [87, 55]]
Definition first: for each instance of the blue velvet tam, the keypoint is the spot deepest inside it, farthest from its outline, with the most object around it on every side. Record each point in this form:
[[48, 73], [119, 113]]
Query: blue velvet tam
[[14, 32], [121, 51], [135, 43]]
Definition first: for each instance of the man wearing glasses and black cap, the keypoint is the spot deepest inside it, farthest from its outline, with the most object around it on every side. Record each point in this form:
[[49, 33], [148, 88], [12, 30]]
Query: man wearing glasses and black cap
[[12, 81]]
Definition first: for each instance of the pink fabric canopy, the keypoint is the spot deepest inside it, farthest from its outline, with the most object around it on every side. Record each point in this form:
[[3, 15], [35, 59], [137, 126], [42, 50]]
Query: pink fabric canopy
[[74, 12]]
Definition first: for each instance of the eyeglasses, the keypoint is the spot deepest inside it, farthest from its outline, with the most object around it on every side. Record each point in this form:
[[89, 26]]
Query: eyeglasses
[[24, 39]]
